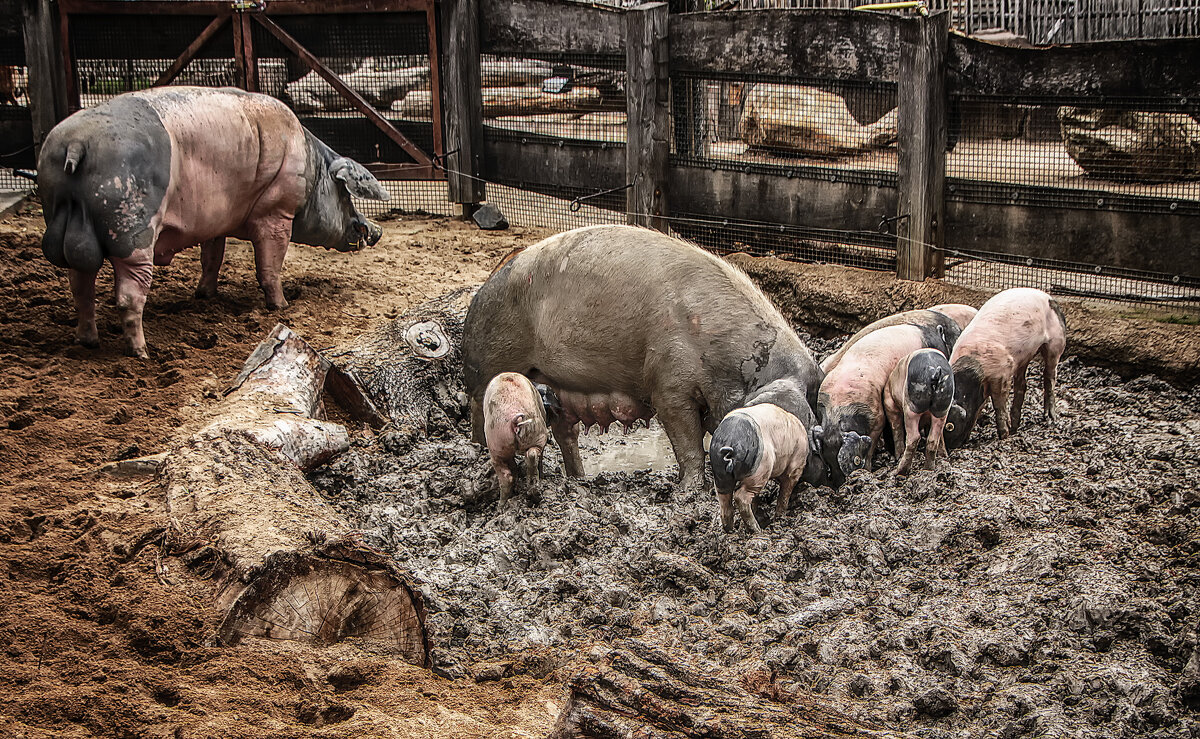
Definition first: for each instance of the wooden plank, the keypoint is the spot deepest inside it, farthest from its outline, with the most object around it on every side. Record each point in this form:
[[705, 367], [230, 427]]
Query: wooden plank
[[350, 94], [1156, 242], [921, 145], [214, 7], [1104, 68], [549, 27], [171, 72], [778, 199], [245, 51], [389, 171], [47, 78], [541, 160], [435, 78], [832, 44], [647, 90], [463, 120]]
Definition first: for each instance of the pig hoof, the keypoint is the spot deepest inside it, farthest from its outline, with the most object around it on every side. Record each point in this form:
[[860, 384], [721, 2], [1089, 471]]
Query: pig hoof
[[90, 342], [205, 292], [137, 351], [277, 305]]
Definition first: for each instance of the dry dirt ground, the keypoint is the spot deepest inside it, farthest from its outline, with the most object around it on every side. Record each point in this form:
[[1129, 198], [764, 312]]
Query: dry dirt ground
[[1045, 586], [99, 634]]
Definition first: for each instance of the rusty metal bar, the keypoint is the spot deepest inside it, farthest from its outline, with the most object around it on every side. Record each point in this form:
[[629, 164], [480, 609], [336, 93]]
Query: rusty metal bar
[[344, 90]]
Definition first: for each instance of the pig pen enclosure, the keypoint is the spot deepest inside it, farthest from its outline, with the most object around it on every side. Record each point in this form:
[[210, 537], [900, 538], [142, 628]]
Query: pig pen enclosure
[[171, 575]]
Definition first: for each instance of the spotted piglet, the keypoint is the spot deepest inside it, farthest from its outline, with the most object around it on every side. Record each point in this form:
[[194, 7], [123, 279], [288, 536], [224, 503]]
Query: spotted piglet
[[993, 353], [514, 412], [751, 446], [919, 392]]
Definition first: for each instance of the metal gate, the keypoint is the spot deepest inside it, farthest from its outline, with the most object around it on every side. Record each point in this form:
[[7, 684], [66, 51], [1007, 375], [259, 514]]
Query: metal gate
[[342, 65]]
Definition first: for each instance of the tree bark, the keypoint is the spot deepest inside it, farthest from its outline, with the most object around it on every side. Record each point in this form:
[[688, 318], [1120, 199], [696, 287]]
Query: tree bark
[[636, 690], [287, 565]]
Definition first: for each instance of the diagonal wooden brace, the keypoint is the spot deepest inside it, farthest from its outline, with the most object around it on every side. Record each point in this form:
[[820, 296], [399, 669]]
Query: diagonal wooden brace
[[344, 90], [191, 51]]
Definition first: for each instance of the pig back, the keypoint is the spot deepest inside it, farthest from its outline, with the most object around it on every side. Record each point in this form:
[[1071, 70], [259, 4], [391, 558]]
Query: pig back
[[1012, 324], [618, 308]]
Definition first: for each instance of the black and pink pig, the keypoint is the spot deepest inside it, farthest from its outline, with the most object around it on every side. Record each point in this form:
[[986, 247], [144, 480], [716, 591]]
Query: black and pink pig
[[918, 395], [515, 423], [751, 446]]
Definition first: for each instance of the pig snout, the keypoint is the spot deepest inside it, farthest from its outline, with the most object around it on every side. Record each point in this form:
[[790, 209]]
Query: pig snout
[[362, 233]]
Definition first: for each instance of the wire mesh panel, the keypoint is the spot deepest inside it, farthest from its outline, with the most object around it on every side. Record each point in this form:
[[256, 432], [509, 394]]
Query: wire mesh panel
[[16, 130], [823, 141], [1128, 169], [566, 96]]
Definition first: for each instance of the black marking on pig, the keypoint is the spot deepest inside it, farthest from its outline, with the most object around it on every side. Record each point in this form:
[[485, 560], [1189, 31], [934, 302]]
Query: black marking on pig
[[550, 402], [930, 383], [968, 399], [735, 452], [938, 331], [835, 424], [1062, 320], [103, 174]]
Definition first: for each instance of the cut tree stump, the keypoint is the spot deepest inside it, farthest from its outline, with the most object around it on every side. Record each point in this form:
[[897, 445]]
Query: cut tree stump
[[287, 565], [408, 371], [636, 690], [520, 101], [806, 120]]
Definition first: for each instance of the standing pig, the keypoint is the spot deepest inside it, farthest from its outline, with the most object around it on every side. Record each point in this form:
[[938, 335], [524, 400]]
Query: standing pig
[[993, 354], [940, 326], [851, 398], [627, 323], [961, 314], [514, 420], [143, 176], [919, 391], [751, 446]]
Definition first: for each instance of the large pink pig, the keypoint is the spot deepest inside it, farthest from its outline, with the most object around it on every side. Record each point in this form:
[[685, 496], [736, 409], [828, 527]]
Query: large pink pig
[[992, 355], [514, 421], [147, 174]]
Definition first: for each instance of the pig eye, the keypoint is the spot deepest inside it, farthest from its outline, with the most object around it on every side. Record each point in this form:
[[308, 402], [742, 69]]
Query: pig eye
[[858, 460], [950, 425]]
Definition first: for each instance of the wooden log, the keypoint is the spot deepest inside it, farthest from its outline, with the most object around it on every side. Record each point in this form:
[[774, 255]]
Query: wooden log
[[48, 99], [1130, 145], [636, 690], [409, 370], [287, 565], [809, 121], [513, 72], [381, 89], [504, 101], [649, 120]]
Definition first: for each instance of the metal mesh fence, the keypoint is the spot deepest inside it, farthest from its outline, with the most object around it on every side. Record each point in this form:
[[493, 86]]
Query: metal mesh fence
[[566, 96]]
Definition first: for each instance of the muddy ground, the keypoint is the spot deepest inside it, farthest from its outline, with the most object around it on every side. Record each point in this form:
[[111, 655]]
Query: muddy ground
[[1042, 586]]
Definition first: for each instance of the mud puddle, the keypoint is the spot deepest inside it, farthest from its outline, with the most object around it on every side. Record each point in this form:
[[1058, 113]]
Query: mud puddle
[[644, 448]]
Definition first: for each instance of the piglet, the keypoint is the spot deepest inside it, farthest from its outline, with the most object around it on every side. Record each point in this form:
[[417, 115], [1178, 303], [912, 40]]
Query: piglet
[[514, 412], [751, 446], [993, 353], [919, 390], [958, 312]]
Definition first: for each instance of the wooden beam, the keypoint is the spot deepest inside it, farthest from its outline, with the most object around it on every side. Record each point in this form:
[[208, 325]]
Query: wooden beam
[[540, 159], [215, 7], [48, 100], [171, 72], [387, 171], [830, 44], [647, 90], [464, 103], [549, 27], [244, 52], [921, 146], [344, 90], [1114, 68], [435, 77]]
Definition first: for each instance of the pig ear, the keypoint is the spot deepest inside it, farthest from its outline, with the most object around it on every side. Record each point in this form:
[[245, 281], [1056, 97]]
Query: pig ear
[[356, 178], [814, 438]]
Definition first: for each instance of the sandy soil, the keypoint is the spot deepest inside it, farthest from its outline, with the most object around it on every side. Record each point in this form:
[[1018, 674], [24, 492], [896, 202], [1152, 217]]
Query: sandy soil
[[100, 635]]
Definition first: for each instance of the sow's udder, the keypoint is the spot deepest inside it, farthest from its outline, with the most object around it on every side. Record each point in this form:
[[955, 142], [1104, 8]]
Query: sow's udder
[[602, 409]]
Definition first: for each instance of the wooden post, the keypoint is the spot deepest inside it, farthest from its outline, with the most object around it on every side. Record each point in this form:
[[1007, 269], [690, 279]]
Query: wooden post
[[47, 78], [647, 144], [922, 146], [463, 97]]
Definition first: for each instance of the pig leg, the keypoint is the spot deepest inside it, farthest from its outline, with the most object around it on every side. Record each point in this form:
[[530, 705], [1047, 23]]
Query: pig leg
[[726, 502], [132, 281], [681, 421], [1049, 379], [212, 255], [567, 436], [744, 498], [912, 437], [270, 247], [935, 443], [1000, 392], [504, 474], [533, 466], [1020, 382], [83, 290], [785, 494], [897, 422]]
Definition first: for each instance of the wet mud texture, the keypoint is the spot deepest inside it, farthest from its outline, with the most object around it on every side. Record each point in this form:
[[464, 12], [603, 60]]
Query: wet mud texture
[[1045, 585]]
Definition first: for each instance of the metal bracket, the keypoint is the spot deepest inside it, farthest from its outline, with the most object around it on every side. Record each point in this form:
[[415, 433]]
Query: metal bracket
[[885, 220], [248, 6], [438, 160], [577, 202]]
